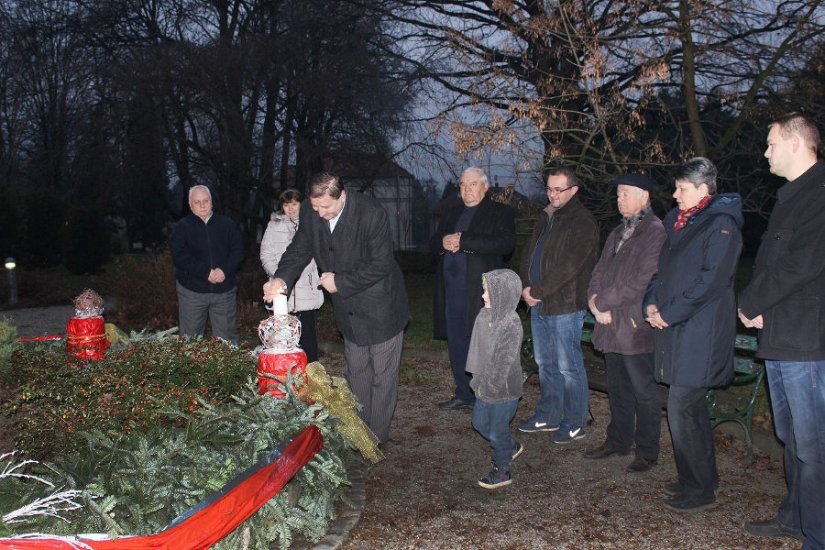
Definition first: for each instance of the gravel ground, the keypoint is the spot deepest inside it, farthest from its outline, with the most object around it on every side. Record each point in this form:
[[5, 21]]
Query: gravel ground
[[424, 494]]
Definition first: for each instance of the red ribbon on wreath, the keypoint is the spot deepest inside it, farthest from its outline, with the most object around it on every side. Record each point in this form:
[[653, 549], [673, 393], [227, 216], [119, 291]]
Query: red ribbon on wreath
[[213, 519]]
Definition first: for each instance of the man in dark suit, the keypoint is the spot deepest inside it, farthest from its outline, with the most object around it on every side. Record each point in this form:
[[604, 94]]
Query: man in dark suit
[[349, 237], [473, 236]]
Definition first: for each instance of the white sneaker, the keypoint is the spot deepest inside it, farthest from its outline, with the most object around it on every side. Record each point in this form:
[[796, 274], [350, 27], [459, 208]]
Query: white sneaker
[[566, 436]]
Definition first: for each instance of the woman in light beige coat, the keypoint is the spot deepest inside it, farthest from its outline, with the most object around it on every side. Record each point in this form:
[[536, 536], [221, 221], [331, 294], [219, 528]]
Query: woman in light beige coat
[[305, 299]]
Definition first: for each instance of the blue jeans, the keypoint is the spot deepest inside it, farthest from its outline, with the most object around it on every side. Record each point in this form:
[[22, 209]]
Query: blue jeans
[[693, 450], [558, 352], [798, 407], [492, 420]]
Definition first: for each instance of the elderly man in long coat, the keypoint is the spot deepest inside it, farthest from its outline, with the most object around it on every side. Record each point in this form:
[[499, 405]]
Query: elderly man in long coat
[[474, 236]]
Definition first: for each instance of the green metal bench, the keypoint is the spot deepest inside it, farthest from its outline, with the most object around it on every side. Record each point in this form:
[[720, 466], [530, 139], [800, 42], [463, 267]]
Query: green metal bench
[[735, 403], [732, 405]]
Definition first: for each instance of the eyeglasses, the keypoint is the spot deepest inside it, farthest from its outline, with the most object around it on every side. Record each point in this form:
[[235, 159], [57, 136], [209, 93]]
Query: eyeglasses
[[555, 191]]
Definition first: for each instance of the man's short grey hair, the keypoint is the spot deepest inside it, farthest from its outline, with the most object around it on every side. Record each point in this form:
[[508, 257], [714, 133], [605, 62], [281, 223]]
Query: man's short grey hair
[[697, 171], [482, 177], [205, 188]]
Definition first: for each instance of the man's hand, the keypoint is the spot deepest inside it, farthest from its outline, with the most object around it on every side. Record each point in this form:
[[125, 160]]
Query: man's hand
[[756, 322], [655, 318], [602, 317], [273, 288], [328, 282], [216, 276], [451, 242], [528, 298]]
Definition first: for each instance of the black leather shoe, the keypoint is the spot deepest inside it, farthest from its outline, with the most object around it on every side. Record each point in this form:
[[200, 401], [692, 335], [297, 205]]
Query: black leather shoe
[[690, 504], [639, 465], [603, 451], [676, 489], [771, 528], [455, 404]]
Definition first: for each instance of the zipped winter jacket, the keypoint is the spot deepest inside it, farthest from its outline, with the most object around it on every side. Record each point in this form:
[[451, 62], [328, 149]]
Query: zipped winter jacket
[[693, 291]]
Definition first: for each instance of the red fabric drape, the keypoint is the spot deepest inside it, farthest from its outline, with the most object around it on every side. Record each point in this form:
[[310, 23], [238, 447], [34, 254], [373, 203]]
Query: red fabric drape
[[212, 523], [44, 338]]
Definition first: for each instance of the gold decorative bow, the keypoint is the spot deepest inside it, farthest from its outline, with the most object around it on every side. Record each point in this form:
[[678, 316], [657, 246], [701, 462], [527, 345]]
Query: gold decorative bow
[[334, 394]]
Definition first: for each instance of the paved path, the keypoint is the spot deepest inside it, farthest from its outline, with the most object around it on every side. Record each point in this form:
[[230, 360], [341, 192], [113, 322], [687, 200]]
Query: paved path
[[39, 321]]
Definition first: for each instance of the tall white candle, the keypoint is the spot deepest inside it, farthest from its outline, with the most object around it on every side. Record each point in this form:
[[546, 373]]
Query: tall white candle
[[279, 305]]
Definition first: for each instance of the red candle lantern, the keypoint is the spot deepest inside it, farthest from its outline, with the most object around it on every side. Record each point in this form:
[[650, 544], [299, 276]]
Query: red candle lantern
[[281, 355], [86, 331], [273, 367]]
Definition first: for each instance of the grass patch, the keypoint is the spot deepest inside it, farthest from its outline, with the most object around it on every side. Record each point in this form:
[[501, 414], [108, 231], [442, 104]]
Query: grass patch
[[414, 375], [420, 287], [420, 329]]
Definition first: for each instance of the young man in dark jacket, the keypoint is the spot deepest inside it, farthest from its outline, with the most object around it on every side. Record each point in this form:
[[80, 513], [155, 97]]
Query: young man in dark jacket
[[557, 268], [785, 300]]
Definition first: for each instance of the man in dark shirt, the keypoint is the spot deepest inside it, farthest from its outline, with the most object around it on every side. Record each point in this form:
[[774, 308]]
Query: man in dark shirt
[[207, 251]]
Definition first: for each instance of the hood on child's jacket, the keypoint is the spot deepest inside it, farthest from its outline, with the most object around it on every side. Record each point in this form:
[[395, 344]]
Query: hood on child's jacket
[[504, 290]]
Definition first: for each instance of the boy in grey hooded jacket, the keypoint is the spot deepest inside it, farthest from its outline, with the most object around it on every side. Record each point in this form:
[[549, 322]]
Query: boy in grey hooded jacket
[[494, 360]]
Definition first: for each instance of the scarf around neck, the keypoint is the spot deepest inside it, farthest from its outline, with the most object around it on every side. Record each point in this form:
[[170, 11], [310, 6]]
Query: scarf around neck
[[685, 215], [629, 226]]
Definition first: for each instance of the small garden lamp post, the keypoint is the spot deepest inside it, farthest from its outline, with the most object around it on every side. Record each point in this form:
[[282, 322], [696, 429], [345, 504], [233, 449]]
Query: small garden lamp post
[[11, 275]]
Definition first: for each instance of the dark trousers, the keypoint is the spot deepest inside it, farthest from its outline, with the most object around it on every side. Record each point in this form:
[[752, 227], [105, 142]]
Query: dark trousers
[[372, 374], [222, 308], [693, 449], [309, 334], [458, 342], [635, 405]]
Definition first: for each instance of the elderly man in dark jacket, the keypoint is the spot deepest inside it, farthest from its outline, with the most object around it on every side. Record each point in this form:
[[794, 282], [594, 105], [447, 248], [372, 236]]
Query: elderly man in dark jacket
[[207, 251], [474, 236], [692, 305], [617, 290], [786, 301], [557, 268], [348, 235]]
